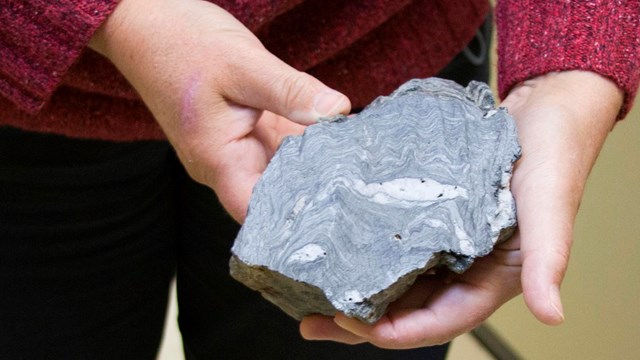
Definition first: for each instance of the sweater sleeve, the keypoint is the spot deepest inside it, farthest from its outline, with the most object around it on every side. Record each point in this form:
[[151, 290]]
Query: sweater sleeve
[[39, 41], [536, 37]]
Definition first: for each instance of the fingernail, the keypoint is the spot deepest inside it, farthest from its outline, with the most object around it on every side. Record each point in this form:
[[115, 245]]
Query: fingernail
[[329, 103], [556, 304], [558, 311]]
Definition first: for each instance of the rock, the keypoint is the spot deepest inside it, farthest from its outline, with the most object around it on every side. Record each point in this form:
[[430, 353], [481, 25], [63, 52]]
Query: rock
[[347, 215]]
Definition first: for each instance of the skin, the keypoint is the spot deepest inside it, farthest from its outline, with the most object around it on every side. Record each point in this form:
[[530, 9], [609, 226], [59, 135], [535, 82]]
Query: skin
[[225, 103], [221, 98]]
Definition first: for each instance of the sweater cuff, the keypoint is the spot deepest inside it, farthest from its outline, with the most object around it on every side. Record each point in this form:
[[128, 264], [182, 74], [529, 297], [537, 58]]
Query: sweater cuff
[[537, 37], [39, 41]]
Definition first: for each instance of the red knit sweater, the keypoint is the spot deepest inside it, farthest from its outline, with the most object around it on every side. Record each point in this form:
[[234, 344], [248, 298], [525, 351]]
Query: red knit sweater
[[50, 82]]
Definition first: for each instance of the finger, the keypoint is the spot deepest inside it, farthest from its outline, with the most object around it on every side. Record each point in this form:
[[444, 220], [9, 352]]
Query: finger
[[449, 312], [271, 129], [325, 328], [453, 312], [234, 171], [234, 186], [419, 292], [318, 327], [546, 226], [271, 84]]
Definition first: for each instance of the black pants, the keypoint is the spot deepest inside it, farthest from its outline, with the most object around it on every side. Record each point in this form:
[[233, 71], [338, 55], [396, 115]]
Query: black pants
[[91, 234]]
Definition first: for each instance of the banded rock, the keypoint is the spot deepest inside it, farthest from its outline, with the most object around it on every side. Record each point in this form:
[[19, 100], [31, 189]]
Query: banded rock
[[347, 215]]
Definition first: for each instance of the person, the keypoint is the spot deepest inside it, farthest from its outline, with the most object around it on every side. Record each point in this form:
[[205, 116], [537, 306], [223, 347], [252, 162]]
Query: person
[[96, 213]]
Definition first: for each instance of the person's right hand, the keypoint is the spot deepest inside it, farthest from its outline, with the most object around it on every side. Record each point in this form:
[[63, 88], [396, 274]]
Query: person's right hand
[[207, 80]]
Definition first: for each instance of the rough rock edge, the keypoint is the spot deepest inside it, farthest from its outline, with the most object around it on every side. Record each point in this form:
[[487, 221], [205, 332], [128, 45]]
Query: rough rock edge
[[369, 310]]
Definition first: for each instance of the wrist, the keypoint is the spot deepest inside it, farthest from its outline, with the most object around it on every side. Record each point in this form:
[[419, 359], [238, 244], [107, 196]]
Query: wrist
[[102, 39], [580, 93]]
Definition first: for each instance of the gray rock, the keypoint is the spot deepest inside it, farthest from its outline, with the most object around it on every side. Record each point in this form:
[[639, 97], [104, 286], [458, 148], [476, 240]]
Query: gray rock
[[347, 215]]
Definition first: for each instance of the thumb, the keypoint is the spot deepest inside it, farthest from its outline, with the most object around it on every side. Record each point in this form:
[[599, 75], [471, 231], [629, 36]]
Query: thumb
[[546, 225], [268, 83]]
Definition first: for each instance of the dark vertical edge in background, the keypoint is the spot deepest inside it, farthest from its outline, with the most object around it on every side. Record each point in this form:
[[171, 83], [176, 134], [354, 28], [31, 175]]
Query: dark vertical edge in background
[[496, 345]]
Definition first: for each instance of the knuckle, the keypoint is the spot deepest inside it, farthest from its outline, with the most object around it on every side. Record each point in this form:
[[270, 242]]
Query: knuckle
[[295, 89], [386, 337]]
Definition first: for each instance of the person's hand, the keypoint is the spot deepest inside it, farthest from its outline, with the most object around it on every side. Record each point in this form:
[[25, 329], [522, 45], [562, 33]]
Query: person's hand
[[213, 88], [563, 120]]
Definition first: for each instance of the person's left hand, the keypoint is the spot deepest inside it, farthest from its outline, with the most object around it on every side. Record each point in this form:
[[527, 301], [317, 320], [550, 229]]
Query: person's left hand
[[436, 308], [563, 120]]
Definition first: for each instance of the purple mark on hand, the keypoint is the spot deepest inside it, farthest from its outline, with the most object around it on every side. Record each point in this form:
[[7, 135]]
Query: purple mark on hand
[[188, 110]]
